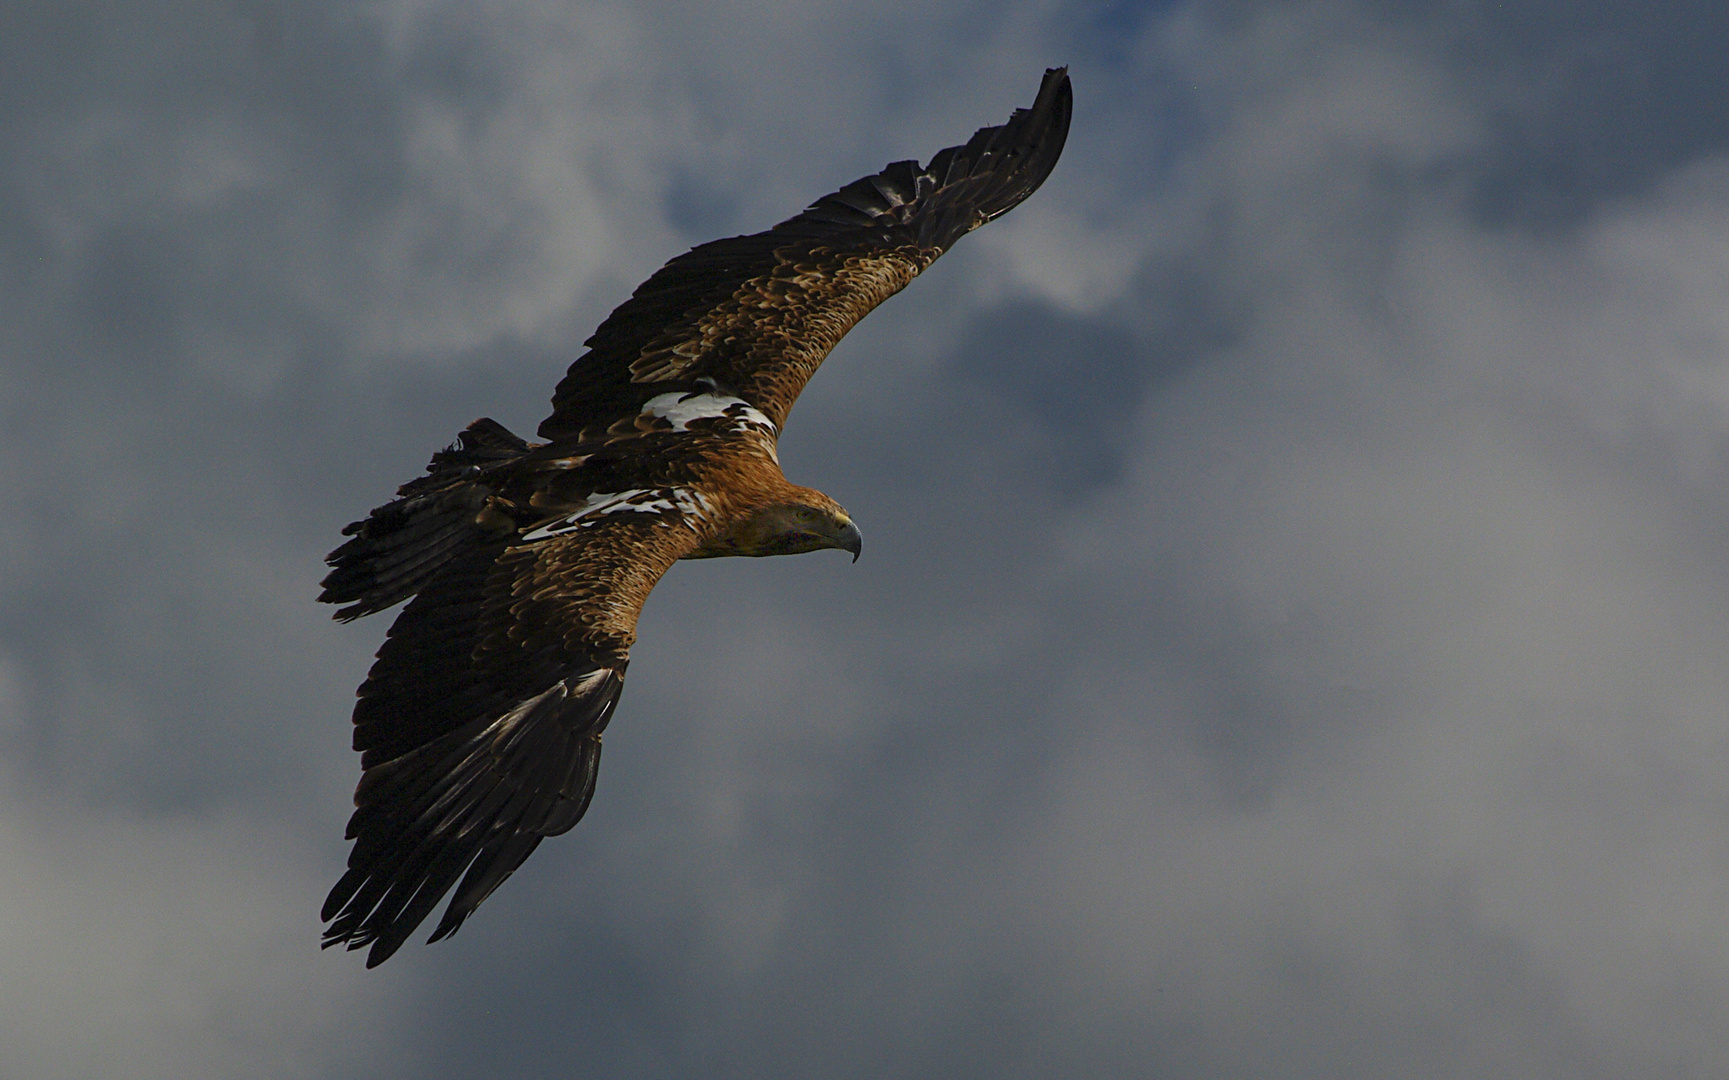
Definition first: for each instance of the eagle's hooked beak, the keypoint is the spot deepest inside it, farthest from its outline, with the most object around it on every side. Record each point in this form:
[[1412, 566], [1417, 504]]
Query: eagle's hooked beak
[[849, 539]]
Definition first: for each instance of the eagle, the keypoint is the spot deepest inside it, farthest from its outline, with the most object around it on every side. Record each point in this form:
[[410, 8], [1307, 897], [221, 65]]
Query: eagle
[[525, 564]]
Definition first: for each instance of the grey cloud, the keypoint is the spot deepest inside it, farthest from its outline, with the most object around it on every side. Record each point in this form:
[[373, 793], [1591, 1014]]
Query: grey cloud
[[1289, 642]]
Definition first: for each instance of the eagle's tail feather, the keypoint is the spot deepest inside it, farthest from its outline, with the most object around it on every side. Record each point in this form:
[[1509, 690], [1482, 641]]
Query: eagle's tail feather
[[396, 549]]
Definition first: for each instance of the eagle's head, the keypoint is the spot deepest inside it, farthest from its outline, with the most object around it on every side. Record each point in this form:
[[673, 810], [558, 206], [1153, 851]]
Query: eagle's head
[[803, 520]]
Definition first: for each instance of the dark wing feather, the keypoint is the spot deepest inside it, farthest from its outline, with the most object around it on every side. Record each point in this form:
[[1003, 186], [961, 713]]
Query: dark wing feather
[[397, 549], [758, 313], [479, 725]]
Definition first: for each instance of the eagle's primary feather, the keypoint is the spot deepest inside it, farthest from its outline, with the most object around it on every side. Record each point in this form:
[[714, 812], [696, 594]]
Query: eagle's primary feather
[[525, 565]]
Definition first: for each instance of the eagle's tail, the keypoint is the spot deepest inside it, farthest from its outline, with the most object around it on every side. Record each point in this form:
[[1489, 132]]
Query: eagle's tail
[[399, 547]]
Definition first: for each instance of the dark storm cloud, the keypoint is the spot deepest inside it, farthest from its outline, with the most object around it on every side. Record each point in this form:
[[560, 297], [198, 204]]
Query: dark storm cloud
[[1601, 101], [1290, 640]]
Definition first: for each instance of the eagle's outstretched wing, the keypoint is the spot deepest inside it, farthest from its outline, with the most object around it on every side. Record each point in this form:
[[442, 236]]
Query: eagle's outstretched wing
[[757, 314], [479, 724]]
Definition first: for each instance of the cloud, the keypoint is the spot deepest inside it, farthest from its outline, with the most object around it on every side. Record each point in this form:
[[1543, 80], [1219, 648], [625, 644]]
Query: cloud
[[1289, 643], [163, 947]]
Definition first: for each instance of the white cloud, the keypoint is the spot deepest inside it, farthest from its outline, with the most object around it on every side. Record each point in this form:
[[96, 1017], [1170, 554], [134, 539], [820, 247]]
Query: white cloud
[[170, 947], [1367, 723]]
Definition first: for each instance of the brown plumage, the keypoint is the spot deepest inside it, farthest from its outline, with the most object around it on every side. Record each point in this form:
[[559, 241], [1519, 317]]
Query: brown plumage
[[526, 564]]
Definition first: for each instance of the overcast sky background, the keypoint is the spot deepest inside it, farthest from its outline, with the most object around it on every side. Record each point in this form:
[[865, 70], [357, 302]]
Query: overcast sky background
[[1290, 640]]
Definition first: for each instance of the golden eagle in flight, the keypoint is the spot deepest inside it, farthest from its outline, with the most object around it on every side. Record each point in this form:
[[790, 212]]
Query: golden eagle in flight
[[527, 563]]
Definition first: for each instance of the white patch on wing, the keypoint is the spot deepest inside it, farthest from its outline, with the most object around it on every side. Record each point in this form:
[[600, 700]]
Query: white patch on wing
[[690, 507], [680, 409]]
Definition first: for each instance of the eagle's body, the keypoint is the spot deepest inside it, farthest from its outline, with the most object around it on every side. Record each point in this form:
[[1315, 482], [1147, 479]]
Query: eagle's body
[[526, 565]]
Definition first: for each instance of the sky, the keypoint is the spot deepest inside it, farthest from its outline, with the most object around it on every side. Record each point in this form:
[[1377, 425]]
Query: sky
[[1290, 639]]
